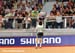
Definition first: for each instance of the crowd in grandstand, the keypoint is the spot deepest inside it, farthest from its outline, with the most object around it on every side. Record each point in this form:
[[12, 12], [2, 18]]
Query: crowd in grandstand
[[23, 14], [60, 11], [19, 13]]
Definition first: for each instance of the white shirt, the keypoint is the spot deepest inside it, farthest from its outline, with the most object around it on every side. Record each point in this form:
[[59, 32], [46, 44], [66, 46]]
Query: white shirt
[[27, 20], [59, 19], [39, 28], [28, 9], [73, 17]]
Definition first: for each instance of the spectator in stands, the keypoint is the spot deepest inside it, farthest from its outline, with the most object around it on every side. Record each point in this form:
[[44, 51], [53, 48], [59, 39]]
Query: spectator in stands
[[19, 20], [34, 15], [51, 20], [9, 20], [54, 11], [27, 22], [34, 12], [1, 21], [70, 3], [73, 9], [23, 12], [59, 21], [19, 6], [40, 6], [28, 7], [74, 3], [9, 4], [15, 4], [23, 7], [1, 3], [57, 5], [62, 8], [73, 21], [68, 12], [2, 12]]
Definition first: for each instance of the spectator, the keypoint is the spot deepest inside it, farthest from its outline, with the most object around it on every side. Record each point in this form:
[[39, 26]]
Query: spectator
[[19, 6], [51, 20], [9, 20], [54, 11], [34, 15], [73, 22], [57, 5], [1, 3], [70, 3], [59, 21], [73, 9], [27, 22], [15, 4], [28, 8], [23, 7], [19, 20], [1, 21], [40, 6], [34, 12], [7, 10], [2, 12]]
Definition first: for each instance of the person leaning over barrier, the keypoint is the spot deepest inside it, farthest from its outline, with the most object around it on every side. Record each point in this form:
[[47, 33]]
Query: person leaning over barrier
[[27, 21], [73, 20], [1, 21]]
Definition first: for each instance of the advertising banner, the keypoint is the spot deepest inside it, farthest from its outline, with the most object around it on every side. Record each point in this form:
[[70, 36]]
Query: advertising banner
[[62, 40]]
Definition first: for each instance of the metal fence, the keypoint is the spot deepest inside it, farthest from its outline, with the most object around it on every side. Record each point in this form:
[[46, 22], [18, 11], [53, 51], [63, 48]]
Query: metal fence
[[65, 20]]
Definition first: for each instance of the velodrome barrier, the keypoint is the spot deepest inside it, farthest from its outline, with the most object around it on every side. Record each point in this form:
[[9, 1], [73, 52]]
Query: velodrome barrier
[[30, 41], [32, 32], [23, 37]]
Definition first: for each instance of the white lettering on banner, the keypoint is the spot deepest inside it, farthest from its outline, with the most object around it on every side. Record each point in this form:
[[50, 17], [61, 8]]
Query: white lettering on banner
[[51, 40], [45, 40], [55, 40], [27, 40], [23, 41], [58, 40], [7, 41], [33, 41]]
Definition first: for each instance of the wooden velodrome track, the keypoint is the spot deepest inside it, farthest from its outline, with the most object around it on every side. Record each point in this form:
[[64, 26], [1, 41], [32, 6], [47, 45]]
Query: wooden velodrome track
[[62, 49]]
